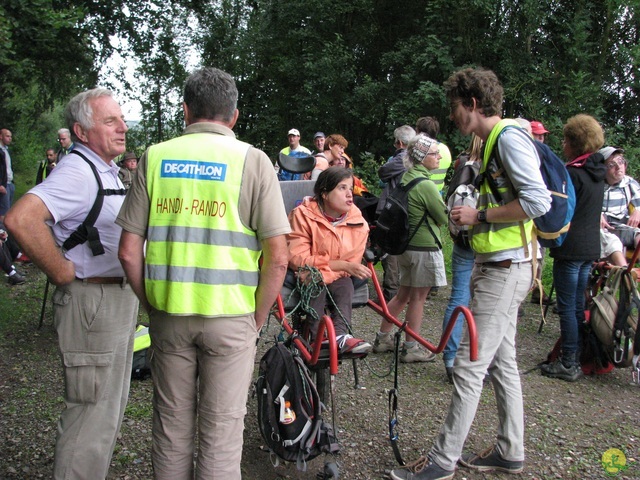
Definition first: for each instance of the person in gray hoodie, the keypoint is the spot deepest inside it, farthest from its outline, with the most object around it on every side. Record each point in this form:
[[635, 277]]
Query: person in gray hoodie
[[390, 174]]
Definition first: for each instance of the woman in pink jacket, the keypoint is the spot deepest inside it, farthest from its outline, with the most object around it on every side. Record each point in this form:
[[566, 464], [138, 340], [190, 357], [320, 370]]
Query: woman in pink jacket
[[329, 233]]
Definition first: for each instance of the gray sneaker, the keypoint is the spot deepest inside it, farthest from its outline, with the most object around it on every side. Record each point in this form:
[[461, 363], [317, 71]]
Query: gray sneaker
[[16, 279], [423, 469], [490, 460], [416, 354], [384, 343], [557, 369]]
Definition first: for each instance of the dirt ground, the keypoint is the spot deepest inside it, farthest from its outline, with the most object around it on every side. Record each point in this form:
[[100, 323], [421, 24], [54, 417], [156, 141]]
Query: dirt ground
[[569, 426]]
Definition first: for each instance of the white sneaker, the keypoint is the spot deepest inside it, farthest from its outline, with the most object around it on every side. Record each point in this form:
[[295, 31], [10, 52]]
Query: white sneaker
[[416, 354]]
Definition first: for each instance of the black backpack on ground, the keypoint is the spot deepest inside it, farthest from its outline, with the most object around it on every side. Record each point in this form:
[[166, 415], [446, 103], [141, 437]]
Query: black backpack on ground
[[289, 408], [140, 367], [391, 232]]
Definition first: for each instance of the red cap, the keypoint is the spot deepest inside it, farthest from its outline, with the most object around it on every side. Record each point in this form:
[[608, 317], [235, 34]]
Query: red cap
[[538, 128]]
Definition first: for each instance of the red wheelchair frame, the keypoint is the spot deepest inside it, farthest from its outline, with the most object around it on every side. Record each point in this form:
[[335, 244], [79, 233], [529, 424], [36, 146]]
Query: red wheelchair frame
[[326, 330]]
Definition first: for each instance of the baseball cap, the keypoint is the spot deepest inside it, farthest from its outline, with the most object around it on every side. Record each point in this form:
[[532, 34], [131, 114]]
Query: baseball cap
[[294, 131], [319, 134], [608, 151], [538, 128]]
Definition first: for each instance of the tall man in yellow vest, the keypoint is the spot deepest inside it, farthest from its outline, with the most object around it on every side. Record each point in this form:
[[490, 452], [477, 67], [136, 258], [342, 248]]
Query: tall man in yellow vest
[[94, 308], [500, 280], [208, 206]]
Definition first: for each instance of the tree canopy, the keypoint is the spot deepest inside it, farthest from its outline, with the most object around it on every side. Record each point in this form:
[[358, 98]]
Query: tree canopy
[[358, 68]]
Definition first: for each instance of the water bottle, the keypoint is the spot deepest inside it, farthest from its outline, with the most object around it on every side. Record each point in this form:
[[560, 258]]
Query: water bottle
[[289, 415]]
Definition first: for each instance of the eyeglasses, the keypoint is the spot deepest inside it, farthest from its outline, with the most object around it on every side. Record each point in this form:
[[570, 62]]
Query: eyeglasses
[[432, 153], [616, 164]]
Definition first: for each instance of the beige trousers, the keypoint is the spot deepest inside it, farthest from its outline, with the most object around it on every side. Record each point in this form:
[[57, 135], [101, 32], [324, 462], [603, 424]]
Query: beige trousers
[[202, 369], [95, 325]]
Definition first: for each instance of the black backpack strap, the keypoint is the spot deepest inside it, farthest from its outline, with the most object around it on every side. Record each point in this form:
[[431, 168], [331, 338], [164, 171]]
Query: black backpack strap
[[86, 232], [408, 187]]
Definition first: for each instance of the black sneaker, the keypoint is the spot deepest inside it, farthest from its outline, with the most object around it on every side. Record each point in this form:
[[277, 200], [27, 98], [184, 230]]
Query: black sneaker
[[449, 371], [16, 279], [490, 460], [423, 469], [557, 369]]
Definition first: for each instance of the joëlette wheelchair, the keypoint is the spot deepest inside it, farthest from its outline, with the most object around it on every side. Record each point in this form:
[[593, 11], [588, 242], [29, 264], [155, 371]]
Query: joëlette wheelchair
[[322, 355]]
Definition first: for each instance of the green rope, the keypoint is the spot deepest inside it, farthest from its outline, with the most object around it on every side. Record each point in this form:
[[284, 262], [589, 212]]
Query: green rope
[[308, 289]]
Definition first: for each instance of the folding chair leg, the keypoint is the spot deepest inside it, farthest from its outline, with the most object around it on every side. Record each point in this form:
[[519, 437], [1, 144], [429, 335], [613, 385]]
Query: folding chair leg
[[356, 377], [44, 304], [546, 308]]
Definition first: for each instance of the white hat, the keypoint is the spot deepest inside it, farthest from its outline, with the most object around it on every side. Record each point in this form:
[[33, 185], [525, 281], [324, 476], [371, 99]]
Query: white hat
[[608, 151], [294, 131]]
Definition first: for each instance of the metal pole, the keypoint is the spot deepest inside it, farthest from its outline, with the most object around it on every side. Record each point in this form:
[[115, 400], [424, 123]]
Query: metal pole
[[44, 303]]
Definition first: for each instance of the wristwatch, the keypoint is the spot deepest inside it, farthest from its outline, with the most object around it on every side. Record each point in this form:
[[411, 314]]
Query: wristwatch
[[482, 216]]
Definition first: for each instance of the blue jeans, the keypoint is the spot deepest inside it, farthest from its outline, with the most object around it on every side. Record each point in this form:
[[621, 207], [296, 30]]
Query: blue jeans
[[461, 268], [570, 279], [6, 199]]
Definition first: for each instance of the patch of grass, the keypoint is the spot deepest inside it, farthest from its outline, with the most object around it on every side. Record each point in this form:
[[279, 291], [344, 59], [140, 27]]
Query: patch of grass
[[139, 410], [20, 305]]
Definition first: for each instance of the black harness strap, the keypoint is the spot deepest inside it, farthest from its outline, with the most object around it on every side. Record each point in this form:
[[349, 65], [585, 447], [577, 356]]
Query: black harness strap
[[86, 232], [408, 187]]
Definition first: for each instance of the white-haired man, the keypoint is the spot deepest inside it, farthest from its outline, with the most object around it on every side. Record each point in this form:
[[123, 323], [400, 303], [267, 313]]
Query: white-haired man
[[95, 310]]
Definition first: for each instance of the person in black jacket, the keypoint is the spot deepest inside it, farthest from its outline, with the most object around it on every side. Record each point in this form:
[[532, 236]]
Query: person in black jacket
[[583, 137], [46, 166], [9, 251], [4, 195]]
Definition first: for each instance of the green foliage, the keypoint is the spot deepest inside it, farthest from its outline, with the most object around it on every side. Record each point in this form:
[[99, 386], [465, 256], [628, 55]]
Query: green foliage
[[358, 68], [367, 171]]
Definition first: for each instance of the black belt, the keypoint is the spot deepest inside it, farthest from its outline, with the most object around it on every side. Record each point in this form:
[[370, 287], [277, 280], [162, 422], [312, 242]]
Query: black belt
[[105, 280], [501, 264]]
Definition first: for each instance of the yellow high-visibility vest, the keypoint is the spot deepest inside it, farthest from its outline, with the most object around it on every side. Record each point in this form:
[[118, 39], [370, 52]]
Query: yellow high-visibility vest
[[496, 237], [201, 259]]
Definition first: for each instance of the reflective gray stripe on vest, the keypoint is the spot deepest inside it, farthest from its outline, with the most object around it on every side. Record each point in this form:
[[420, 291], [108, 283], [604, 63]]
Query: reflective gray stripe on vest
[[203, 236], [206, 276]]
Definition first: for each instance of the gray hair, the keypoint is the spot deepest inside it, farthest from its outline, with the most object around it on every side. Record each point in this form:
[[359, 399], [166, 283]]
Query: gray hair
[[64, 130], [417, 149], [404, 134], [79, 110], [211, 94]]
